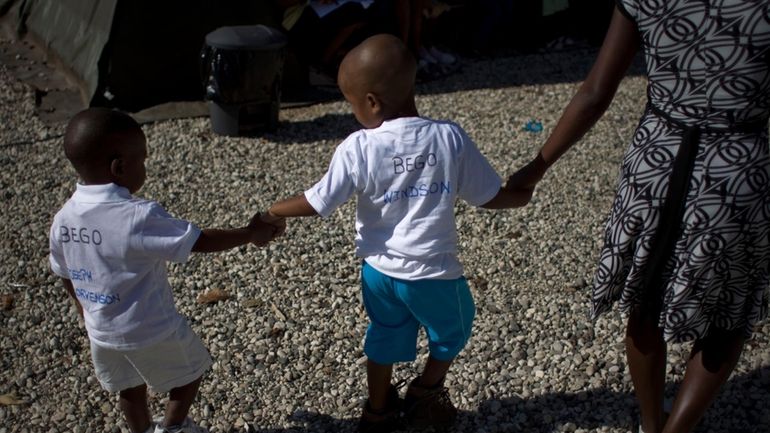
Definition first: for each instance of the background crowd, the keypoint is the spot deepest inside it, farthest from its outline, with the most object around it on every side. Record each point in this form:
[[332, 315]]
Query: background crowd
[[438, 33]]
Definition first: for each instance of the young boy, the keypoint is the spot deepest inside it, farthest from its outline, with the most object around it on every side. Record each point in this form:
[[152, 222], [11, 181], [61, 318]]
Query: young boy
[[110, 250], [406, 172]]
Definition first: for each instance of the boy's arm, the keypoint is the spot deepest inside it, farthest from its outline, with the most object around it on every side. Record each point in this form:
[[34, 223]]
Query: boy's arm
[[508, 198], [71, 291], [213, 240], [292, 207]]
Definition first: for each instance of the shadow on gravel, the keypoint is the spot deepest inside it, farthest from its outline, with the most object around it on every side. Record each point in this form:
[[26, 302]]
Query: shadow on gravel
[[740, 408], [550, 412], [743, 402], [330, 126], [568, 66], [313, 423], [520, 70]]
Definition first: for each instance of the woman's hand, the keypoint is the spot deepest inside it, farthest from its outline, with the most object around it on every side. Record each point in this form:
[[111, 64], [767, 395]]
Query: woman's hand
[[528, 176]]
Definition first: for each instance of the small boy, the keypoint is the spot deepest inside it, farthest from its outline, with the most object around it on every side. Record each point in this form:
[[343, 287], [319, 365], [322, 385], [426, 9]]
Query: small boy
[[406, 172], [111, 250]]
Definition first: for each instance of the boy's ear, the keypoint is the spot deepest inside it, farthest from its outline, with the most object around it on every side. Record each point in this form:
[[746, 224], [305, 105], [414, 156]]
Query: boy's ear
[[116, 167], [374, 103]]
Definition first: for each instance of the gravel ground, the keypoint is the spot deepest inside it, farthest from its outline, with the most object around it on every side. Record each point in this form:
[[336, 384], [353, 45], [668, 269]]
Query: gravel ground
[[287, 344]]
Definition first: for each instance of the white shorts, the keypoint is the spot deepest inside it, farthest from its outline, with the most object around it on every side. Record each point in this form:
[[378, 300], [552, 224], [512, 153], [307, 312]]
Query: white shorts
[[179, 359]]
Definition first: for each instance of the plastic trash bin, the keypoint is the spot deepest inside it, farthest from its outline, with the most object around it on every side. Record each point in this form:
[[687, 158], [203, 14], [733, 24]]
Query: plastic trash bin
[[241, 67]]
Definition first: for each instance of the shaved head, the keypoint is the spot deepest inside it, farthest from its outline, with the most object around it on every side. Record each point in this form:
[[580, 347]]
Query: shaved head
[[95, 135], [383, 66]]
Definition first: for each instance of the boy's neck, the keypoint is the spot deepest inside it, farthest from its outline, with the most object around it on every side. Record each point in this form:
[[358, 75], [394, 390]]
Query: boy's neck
[[410, 111], [94, 180]]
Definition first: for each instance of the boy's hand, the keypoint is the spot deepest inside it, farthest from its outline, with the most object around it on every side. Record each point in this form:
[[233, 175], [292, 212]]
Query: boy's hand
[[261, 232], [528, 176], [276, 221]]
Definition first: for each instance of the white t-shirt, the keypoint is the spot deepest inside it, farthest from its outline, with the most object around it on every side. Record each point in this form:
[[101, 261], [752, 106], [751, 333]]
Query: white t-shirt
[[407, 174], [114, 249]]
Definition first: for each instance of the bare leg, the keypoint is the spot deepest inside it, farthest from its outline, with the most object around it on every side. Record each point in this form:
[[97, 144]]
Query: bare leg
[[403, 11], [179, 402], [434, 372], [133, 403], [646, 357], [712, 360], [378, 377]]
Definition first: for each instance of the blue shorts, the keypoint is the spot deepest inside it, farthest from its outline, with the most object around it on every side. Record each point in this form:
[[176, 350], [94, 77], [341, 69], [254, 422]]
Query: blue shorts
[[397, 308]]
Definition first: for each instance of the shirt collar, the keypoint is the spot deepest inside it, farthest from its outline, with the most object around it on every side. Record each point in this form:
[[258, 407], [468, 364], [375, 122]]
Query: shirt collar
[[109, 192], [400, 122]]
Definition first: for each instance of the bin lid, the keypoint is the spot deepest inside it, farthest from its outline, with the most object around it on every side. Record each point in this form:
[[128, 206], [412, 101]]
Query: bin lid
[[257, 38]]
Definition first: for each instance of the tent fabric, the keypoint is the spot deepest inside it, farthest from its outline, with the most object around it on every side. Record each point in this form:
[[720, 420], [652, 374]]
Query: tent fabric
[[133, 54], [77, 30]]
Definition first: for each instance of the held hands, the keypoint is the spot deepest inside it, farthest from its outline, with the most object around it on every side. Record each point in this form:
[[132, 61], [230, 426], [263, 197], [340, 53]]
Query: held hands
[[527, 177], [279, 223], [520, 186], [264, 227]]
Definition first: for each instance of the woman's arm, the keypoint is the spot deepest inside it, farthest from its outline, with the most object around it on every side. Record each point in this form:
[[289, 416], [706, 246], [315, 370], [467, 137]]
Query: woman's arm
[[589, 103]]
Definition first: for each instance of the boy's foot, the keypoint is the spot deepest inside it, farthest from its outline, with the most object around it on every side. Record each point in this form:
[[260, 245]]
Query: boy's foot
[[188, 426], [383, 421], [428, 407]]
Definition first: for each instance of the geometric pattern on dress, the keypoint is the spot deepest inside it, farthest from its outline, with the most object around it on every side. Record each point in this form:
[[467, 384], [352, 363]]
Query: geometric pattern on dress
[[719, 273], [707, 61]]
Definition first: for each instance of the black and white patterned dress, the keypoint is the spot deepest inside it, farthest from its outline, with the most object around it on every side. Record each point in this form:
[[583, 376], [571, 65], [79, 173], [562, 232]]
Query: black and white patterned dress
[[688, 236]]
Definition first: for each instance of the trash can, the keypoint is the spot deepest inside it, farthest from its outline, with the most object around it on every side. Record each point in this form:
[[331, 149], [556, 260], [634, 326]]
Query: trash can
[[241, 68]]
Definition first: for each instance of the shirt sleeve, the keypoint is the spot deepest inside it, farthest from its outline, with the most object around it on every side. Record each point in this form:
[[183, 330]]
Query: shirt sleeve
[[336, 186], [56, 256], [166, 237], [477, 181]]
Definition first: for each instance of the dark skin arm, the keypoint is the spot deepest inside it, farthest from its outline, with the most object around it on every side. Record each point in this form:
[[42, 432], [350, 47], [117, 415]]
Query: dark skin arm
[[589, 103], [257, 232], [292, 207], [71, 291]]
